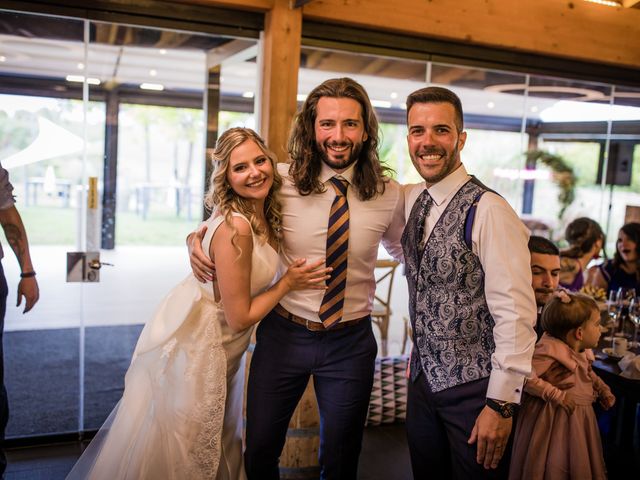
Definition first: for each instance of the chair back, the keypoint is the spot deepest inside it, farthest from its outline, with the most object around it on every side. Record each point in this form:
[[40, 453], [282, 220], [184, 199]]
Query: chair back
[[385, 272]]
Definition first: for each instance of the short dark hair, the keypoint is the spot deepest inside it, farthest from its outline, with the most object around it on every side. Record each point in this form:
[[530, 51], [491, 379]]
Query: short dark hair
[[437, 95], [542, 245]]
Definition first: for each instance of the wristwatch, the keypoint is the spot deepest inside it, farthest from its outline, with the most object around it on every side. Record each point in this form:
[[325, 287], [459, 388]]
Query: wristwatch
[[505, 409]]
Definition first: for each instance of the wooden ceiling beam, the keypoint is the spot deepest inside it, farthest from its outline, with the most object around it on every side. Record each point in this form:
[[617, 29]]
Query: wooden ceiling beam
[[577, 30], [256, 5]]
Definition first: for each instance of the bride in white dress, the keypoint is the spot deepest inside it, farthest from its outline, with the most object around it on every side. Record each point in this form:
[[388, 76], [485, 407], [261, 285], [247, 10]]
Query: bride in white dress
[[180, 416]]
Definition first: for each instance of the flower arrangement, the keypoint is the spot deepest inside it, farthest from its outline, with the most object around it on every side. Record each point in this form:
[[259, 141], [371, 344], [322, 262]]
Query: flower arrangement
[[562, 175]]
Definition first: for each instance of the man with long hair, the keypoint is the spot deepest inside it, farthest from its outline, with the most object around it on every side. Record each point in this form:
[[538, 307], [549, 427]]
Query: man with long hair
[[338, 203]]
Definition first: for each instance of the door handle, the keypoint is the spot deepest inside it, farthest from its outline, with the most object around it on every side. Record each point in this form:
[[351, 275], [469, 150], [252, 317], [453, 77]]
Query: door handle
[[84, 266]]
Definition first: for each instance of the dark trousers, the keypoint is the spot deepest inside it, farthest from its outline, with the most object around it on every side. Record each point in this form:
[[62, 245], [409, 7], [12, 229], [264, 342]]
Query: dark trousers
[[4, 403], [342, 364], [438, 427]]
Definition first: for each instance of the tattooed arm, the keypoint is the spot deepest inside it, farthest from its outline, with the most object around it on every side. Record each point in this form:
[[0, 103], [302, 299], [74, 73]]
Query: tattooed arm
[[17, 238]]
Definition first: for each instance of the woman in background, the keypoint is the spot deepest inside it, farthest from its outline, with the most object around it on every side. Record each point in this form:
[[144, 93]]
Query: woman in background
[[586, 239], [624, 270]]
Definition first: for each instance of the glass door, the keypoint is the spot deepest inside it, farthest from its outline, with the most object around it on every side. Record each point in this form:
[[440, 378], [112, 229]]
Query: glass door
[[43, 145], [135, 108]]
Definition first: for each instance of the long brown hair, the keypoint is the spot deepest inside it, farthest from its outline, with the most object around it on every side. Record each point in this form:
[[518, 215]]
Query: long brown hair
[[221, 198], [582, 234], [631, 230], [369, 176]]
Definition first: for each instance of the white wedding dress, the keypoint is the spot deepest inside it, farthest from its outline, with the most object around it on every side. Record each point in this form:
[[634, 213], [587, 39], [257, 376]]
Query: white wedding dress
[[180, 416]]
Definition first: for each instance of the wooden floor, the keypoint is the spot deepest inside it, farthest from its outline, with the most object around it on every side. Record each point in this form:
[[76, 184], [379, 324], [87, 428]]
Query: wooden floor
[[384, 456]]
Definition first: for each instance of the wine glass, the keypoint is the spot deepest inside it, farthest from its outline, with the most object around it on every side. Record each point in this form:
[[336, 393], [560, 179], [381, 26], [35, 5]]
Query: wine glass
[[613, 312], [623, 297], [634, 316]]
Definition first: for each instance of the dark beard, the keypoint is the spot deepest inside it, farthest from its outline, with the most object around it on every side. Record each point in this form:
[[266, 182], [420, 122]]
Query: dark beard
[[448, 166], [356, 149]]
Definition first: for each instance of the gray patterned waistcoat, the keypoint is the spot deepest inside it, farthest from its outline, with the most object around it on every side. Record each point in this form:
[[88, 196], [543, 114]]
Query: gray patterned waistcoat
[[452, 326]]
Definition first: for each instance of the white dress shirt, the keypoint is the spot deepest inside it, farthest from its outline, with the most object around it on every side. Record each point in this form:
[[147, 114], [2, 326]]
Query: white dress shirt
[[305, 222], [499, 238]]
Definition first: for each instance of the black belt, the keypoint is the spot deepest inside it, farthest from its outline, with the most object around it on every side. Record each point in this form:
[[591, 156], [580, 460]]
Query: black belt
[[315, 326]]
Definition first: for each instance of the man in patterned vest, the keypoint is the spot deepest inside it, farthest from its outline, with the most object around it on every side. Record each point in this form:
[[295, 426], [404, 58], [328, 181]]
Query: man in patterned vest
[[471, 303]]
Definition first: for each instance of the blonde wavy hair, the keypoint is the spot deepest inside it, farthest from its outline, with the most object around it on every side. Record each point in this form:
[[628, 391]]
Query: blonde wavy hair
[[223, 200]]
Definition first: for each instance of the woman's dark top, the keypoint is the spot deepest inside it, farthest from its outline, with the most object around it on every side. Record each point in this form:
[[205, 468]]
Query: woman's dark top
[[616, 277]]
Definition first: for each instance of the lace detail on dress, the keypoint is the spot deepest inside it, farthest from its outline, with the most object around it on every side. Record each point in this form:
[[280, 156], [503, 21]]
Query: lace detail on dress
[[168, 349], [208, 414]]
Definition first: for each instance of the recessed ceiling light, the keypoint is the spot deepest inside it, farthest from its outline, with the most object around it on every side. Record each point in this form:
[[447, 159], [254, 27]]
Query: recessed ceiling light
[[301, 97], [248, 94], [3, 58], [80, 79], [163, 51], [80, 66], [394, 95], [153, 72], [381, 103], [534, 109], [491, 105], [608, 3], [582, 94], [152, 86]]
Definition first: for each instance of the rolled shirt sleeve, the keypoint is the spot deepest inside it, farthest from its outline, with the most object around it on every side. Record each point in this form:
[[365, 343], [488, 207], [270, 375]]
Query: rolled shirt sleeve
[[391, 239], [500, 240]]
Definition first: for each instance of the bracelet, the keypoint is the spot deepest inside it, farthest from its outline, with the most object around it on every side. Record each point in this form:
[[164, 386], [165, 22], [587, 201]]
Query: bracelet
[[28, 274]]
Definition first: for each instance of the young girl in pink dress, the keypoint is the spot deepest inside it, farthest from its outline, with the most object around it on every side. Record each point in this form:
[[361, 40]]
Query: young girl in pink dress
[[556, 435]]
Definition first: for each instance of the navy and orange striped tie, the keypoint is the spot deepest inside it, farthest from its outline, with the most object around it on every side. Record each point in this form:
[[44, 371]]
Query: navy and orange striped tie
[[337, 250]]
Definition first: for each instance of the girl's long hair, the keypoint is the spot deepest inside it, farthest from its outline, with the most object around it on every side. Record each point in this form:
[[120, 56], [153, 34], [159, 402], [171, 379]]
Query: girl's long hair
[[221, 198], [631, 230]]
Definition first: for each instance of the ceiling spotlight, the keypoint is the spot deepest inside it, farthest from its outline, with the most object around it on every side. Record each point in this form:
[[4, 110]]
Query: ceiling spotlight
[[152, 86], [491, 105], [393, 95], [534, 109], [80, 79], [381, 103], [163, 51], [248, 94], [153, 72], [608, 3], [80, 66], [3, 58]]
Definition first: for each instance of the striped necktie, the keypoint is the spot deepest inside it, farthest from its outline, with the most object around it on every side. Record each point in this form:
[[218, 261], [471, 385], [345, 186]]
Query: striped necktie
[[337, 250]]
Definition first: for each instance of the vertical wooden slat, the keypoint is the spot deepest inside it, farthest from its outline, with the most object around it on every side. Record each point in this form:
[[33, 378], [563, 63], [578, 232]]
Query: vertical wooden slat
[[281, 60]]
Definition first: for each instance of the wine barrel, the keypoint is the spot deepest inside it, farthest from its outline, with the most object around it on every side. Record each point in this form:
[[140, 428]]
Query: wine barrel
[[299, 458]]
